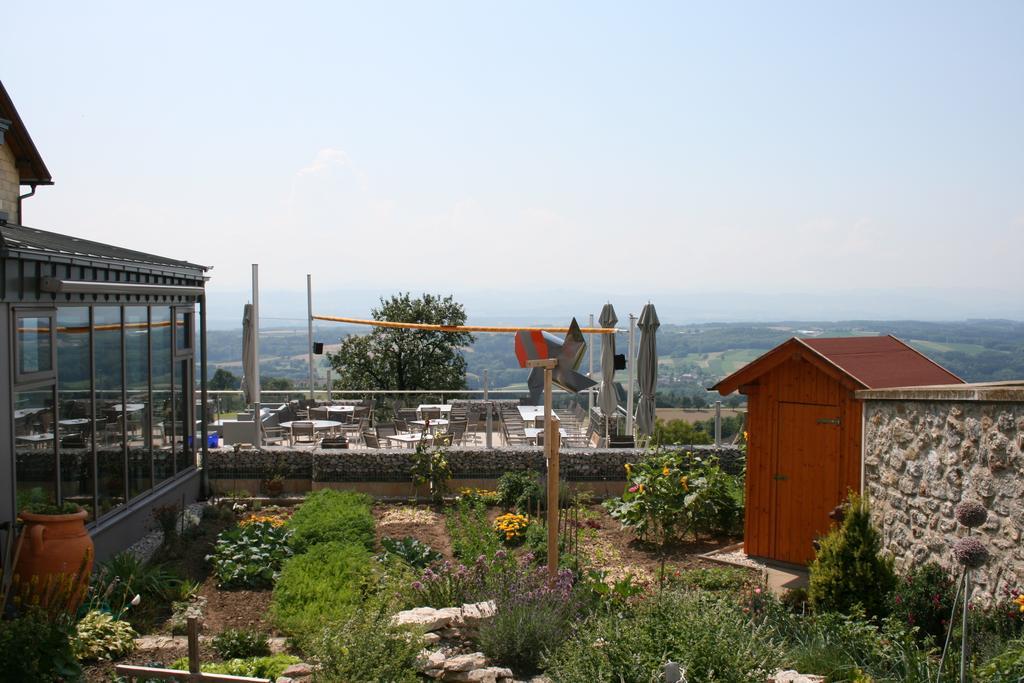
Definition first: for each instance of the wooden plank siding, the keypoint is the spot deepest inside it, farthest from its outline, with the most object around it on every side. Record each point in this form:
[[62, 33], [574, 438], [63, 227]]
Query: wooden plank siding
[[795, 381]]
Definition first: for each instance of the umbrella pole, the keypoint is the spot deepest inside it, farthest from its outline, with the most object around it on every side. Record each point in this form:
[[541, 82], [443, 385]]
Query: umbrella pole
[[309, 333], [590, 373], [551, 447], [629, 366], [256, 416]]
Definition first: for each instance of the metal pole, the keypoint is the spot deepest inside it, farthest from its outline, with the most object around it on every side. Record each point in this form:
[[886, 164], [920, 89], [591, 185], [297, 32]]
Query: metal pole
[[631, 359], [329, 399], [309, 322], [256, 351], [488, 420], [963, 626], [718, 423], [204, 424], [551, 447], [590, 372]]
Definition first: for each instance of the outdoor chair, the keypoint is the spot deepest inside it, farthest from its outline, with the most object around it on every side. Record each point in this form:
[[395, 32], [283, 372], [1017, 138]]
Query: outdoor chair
[[407, 414], [274, 435], [370, 439], [620, 441], [457, 428], [443, 440], [386, 430], [303, 432], [430, 414], [319, 414], [402, 426]]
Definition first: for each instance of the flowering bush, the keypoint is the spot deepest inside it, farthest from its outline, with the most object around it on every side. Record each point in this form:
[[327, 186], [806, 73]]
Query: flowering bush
[[100, 636], [447, 584], [484, 496], [674, 493], [512, 527], [924, 598], [272, 520]]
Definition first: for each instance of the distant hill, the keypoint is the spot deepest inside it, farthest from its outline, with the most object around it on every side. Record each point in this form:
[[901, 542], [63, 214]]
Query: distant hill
[[691, 357]]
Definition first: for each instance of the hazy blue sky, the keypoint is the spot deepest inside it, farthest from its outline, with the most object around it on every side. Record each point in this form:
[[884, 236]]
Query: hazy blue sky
[[763, 147]]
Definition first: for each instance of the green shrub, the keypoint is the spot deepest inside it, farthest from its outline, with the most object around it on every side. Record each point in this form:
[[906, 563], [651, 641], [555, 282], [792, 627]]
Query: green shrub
[[236, 643], [250, 556], [849, 569], [415, 553], [1007, 667], [327, 515], [713, 579], [707, 635], [37, 647], [923, 597], [256, 667], [533, 615], [322, 584], [519, 490], [470, 531], [99, 636], [366, 647], [671, 494]]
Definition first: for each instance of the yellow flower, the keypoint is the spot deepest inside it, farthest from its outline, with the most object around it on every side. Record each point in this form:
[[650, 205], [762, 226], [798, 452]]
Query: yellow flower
[[641, 489], [665, 471], [684, 482], [1020, 601], [629, 470], [745, 437]]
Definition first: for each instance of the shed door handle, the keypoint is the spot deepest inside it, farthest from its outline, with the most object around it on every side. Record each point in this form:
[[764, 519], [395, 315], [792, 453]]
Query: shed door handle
[[828, 420], [780, 477]]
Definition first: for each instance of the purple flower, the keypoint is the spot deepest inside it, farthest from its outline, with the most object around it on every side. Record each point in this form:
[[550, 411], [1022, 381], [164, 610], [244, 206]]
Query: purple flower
[[417, 586], [971, 513], [970, 552], [500, 555]]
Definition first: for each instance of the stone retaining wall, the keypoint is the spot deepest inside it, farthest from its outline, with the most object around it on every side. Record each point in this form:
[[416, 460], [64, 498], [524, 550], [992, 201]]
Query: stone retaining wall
[[392, 465], [925, 453]]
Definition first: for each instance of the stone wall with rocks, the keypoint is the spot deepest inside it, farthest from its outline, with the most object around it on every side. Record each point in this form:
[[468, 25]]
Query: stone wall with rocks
[[392, 465], [924, 453]]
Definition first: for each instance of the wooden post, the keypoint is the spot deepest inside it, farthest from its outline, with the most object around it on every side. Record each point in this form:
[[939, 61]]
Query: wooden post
[[551, 446], [193, 649]]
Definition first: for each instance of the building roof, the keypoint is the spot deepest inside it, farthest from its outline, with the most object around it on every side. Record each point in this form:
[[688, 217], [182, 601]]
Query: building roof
[[861, 362], [31, 169], [994, 392], [19, 240]]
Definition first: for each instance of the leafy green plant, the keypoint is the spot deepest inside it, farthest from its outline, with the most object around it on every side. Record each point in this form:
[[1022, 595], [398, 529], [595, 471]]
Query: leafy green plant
[[234, 643], [36, 646], [99, 636], [328, 515], [705, 633], [849, 568], [448, 584], [923, 597], [324, 583], [366, 647], [609, 594], [671, 493], [1007, 666], [250, 556], [430, 466], [713, 579], [519, 490], [124, 580], [256, 667], [413, 552], [37, 502], [470, 531]]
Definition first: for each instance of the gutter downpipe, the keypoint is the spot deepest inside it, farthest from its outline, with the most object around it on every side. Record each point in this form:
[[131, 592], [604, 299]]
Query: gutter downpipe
[[204, 473], [30, 193]]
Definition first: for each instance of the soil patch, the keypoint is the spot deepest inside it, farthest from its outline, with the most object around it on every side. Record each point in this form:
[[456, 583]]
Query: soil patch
[[418, 521]]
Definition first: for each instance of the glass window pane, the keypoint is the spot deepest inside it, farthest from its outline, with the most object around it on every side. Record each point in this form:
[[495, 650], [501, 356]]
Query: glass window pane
[[109, 407], [34, 344], [136, 342], [182, 330], [183, 427], [35, 458], [76, 424], [160, 337]]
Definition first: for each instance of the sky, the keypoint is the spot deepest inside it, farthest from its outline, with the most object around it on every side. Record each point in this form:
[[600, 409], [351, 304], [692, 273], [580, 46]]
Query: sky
[[868, 155]]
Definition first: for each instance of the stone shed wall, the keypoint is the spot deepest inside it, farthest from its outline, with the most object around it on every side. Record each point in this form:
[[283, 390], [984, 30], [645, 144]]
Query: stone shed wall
[[922, 457]]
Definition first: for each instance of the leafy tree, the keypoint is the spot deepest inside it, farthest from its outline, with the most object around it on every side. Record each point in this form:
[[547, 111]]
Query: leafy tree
[[276, 384], [679, 432], [223, 380], [388, 358]]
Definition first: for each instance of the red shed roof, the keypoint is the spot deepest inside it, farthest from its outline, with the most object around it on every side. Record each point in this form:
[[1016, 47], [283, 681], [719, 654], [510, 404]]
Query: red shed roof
[[868, 362]]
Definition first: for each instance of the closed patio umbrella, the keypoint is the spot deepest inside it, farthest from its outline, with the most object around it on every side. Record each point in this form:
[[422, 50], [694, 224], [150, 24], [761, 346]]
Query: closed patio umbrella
[[647, 369], [250, 365], [606, 398]]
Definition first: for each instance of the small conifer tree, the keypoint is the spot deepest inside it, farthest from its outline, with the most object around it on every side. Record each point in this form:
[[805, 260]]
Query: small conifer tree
[[849, 568]]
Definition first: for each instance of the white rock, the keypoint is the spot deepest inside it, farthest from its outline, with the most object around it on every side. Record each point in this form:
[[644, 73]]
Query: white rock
[[476, 612], [427, 618], [431, 638], [475, 660]]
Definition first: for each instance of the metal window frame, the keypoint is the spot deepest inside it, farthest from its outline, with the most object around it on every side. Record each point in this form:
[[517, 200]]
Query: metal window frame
[[19, 312]]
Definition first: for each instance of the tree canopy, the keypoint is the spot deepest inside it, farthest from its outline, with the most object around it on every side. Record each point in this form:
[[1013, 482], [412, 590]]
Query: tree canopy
[[406, 359]]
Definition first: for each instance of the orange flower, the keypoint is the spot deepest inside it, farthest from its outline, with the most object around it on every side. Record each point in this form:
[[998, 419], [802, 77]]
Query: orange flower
[[1020, 601], [685, 483], [665, 471]]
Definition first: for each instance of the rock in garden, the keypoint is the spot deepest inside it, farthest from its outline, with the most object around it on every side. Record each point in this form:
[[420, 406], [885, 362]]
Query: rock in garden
[[298, 671], [475, 660], [428, 659], [791, 676], [431, 638], [476, 612], [427, 618]]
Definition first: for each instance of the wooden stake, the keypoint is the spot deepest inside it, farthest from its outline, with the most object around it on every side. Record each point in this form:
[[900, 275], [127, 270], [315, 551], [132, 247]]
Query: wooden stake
[[551, 446]]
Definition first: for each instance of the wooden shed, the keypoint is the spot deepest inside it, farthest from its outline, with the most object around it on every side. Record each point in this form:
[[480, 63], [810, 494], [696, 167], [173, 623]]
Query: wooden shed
[[804, 430]]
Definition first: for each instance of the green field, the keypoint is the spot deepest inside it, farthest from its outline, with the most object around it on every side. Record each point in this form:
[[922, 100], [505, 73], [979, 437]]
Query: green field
[[927, 347]]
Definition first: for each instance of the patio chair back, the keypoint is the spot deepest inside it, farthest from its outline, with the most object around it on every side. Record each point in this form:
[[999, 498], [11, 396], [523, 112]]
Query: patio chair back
[[303, 432], [370, 439], [430, 414], [386, 430], [457, 428], [319, 414]]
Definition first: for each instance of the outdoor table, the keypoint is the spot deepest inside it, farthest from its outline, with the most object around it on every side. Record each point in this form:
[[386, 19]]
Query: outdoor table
[[131, 407], [36, 440], [533, 432], [340, 409], [436, 422], [318, 425], [75, 421], [443, 407], [408, 439], [532, 414], [26, 412]]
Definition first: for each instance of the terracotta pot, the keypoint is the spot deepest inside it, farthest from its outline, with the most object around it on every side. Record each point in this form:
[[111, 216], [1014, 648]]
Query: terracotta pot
[[54, 549]]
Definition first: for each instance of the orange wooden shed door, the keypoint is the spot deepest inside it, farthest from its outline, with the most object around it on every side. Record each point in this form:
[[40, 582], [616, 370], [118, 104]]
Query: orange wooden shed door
[[806, 478]]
